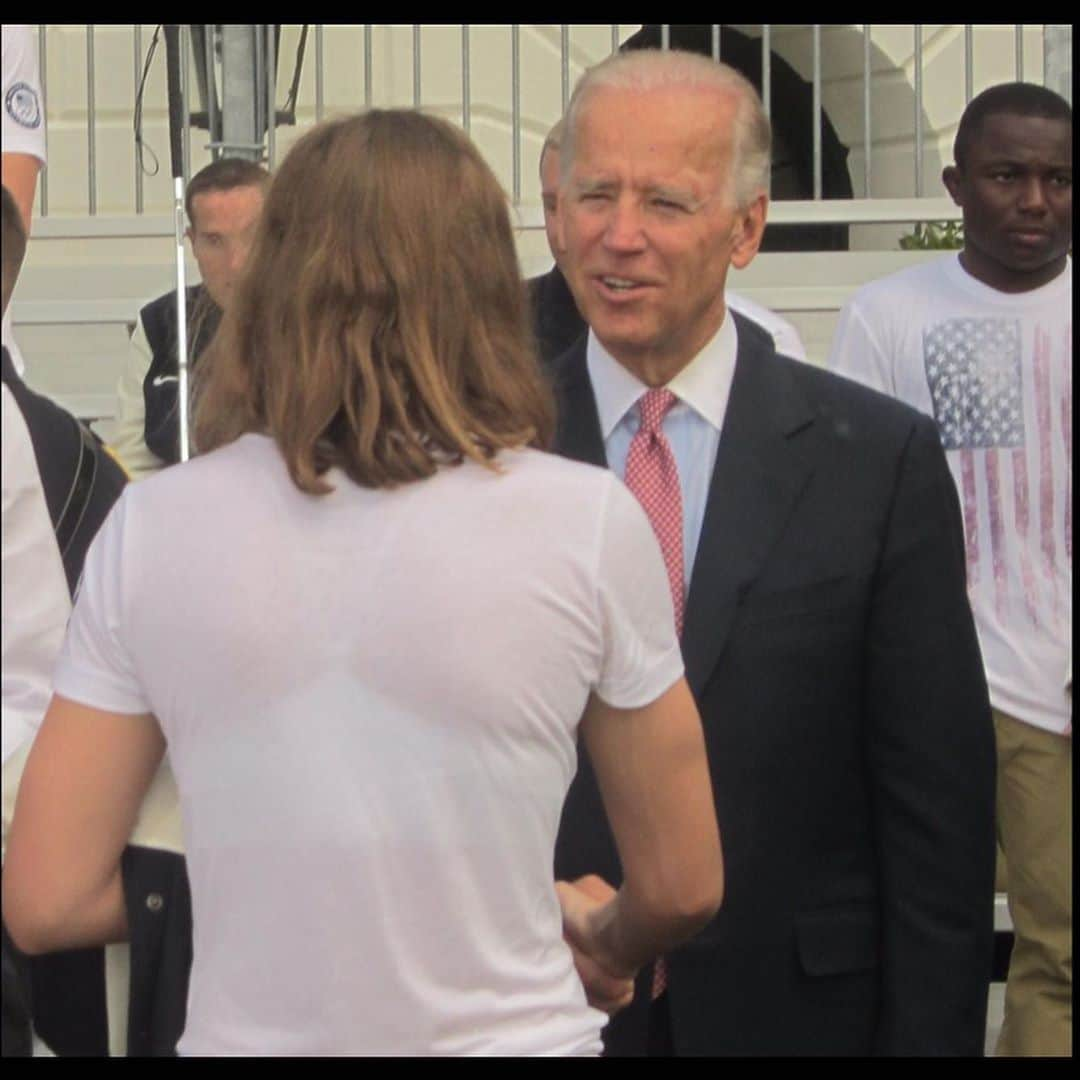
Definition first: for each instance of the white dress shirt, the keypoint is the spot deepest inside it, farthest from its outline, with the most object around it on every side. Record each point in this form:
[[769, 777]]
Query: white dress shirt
[[692, 426]]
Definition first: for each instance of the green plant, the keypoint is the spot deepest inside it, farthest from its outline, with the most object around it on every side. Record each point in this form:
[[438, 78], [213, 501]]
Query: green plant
[[934, 236]]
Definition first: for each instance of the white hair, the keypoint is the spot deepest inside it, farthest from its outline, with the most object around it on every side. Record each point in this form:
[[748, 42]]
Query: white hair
[[651, 69]]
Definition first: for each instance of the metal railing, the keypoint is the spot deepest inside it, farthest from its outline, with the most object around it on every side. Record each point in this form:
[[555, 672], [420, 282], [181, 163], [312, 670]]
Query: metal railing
[[823, 56]]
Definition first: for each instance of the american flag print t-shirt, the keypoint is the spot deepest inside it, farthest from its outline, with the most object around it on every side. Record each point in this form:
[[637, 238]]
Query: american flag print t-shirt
[[995, 371]]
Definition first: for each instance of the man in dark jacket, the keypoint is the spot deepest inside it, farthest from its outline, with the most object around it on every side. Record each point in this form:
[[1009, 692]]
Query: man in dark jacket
[[815, 551], [223, 204]]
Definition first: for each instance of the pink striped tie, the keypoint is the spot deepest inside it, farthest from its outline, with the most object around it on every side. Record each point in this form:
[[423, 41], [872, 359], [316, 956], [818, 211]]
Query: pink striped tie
[[653, 476]]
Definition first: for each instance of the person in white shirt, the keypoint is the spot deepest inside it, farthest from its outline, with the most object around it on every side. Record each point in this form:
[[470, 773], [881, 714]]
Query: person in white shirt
[[368, 620], [22, 127], [982, 341], [58, 485]]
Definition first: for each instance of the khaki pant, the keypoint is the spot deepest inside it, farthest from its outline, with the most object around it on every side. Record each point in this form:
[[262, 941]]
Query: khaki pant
[[1034, 809]]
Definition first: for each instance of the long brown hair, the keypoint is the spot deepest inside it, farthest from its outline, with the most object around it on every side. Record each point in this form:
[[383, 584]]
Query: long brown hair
[[381, 324]]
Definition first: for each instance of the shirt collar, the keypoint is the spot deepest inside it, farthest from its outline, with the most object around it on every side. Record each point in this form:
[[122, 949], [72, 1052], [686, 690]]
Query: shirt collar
[[704, 384]]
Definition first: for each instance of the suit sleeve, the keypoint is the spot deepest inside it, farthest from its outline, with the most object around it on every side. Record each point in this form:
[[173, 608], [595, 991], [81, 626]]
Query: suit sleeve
[[932, 761], [129, 439]]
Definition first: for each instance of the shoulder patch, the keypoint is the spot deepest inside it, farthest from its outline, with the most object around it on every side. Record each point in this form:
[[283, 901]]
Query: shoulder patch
[[21, 102]]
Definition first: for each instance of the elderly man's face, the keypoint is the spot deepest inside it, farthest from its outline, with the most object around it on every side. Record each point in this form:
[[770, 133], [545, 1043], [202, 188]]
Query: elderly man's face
[[221, 233], [549, 193], [649, 225]]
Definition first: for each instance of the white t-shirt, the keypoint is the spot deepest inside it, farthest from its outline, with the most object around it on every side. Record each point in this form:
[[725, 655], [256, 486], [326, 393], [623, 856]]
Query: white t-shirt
[[371, 701], [34, 592], [23, 120], [785, 336], [995, 370]]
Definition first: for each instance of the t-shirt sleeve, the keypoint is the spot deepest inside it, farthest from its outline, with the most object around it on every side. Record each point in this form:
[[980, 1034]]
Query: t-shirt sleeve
[[96, 667], [24, 108], [641, 655], [34, 592], [857, 352]]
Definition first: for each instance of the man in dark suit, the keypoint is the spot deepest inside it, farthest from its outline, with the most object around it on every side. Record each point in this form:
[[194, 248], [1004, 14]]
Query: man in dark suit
[[557, 322], [827, 635]]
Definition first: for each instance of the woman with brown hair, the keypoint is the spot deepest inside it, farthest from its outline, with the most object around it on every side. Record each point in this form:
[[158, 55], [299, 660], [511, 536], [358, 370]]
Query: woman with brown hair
[[368, 621]]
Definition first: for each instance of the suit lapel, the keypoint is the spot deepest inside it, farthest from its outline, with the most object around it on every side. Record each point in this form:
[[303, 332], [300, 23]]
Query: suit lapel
[[762, 465], [579, 434]]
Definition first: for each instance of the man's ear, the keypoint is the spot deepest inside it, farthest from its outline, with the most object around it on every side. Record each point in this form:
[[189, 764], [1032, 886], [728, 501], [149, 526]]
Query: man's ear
[[190, 236], [749, 229], [953, 181]]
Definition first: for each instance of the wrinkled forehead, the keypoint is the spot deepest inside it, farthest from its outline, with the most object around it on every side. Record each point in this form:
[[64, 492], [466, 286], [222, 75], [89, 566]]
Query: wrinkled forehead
[[664, 129]]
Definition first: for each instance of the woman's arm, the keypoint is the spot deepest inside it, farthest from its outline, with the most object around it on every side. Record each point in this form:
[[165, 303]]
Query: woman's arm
[[653, 775], [78, 800]]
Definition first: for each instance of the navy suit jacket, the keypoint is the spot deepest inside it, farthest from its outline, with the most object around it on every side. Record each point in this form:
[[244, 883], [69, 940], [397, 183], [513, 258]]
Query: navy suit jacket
[[830, 647]]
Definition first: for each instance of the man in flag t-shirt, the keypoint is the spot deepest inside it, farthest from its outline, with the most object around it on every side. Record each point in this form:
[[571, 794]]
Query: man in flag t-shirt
[[982, 341]]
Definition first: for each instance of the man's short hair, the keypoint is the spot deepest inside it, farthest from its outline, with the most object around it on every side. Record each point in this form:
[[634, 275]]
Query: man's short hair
[[13, 241], [650, 69], [224, 175], [553, 141], [1016, 99]]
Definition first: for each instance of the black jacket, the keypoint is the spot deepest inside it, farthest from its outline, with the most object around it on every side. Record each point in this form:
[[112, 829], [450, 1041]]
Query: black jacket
[[160, 387], [831, 651]]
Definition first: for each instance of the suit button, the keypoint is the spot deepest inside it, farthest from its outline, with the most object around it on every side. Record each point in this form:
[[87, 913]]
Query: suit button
[[155, 902]]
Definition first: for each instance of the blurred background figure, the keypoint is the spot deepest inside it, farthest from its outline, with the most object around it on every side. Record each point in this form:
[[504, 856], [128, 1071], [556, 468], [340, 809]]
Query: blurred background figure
[[369, 620], [23, 133], [223, 203], [58, 485]]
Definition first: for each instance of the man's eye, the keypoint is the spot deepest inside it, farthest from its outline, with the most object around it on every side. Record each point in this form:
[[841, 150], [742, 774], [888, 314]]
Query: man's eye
[[668, 204], [1062, 180]]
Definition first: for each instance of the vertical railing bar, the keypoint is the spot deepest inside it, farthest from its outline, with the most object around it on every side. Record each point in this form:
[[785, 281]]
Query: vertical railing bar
[[91, 120], [260, 76], [918, 112], [209, 30], [367, 65], [271, 97], [969, 63], [614, 38], [665, 36], [137, 48], [43, 175], [416, 65], [185, 97], [515, 91], [466, 102], [817, 110], [564, 55], [867, 135], [1019, 52], [319, 84], [766, 68], [716, 41]]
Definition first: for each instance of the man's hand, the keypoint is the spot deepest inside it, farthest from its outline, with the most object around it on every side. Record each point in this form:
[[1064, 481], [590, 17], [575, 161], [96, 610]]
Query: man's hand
[[580, 900]]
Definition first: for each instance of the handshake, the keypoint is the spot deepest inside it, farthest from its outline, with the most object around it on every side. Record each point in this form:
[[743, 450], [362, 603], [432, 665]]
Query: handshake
[[587, 911]]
